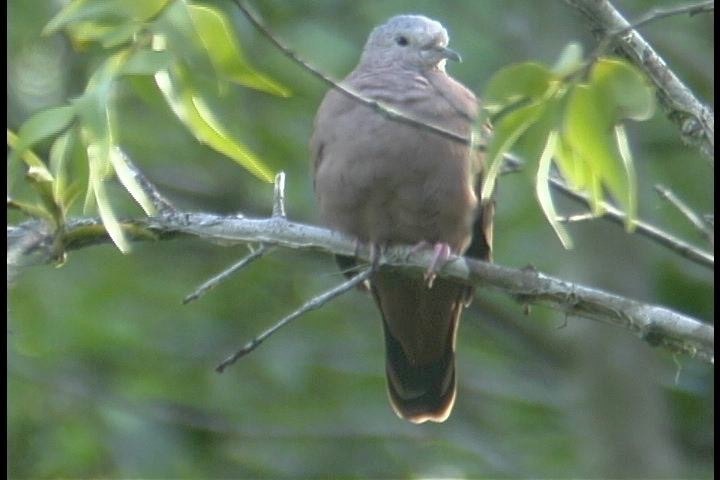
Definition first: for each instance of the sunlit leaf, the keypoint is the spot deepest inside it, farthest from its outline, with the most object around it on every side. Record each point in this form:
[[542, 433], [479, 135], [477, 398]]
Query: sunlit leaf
[[625, 87], [59, 153], [67, 162], [94, 127], [104, 10], [570, 60], [40, 126], [94, 108], [189, 106], [516, 82], [28, 156], [506, 133], [128, 179], [626, 155], [147, 62], [216, 34], [96, 156], [542, 189], [571, 166], [30, 209], [42, 181], [588, 129], [532, 142], [108, 34]]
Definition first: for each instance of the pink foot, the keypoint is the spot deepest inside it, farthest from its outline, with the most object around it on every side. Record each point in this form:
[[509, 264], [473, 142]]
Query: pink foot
[[441, 256]]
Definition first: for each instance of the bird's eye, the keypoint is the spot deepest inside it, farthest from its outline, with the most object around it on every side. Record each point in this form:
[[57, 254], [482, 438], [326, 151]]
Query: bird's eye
[[401, 40]]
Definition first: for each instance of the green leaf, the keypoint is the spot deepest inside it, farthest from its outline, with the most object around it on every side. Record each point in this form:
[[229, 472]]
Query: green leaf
[[108, 34], [542, 189], [68, 164], [29, 157], [579, 174], [515, 83], [625, 87], [532, 143], [96, 156], [216, 34], [94, 131], [571, 166], [507, 131], [128, 179], [147, 62], [192, 110], [571, 59], [30, 209], [102, 11], [59, 153], [97, 132], [588, 129], [40, 126], [625, 154]]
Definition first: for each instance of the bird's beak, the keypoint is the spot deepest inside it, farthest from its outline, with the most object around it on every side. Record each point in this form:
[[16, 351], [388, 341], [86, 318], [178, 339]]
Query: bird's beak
[[450, 54]]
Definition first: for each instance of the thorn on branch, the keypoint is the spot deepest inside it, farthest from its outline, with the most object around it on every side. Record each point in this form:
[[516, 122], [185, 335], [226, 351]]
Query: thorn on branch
[[311, 304]]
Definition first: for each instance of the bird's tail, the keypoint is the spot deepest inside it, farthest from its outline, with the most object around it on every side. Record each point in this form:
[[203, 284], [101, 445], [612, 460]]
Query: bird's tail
[[420, 393], [420, 325]]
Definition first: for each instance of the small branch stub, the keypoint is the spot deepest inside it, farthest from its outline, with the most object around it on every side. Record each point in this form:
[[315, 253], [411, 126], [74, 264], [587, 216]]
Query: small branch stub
[[225, 274], [311, 304], [279, 196]]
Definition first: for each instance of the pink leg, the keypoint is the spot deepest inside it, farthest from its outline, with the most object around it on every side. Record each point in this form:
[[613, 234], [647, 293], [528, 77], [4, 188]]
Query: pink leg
[[420, 246], [441, 255]]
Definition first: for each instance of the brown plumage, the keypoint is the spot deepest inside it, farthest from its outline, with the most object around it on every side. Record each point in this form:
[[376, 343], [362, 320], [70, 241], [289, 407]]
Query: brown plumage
[[386, 183]]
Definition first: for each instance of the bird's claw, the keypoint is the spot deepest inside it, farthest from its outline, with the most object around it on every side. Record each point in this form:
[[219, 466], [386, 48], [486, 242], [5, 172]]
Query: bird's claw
[[441, 255]]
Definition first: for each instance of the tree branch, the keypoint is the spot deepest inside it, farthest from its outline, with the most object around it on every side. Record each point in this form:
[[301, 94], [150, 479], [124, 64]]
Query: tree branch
[[695, 120], [312, 304], [658, 13], [694, 218], [654, 324], [615, 215]]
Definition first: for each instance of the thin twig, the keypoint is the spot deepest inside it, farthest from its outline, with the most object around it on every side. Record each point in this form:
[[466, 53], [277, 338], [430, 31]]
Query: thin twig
[[696, 220], [645, 229], [312, 304], [225, 274], [658, 13]]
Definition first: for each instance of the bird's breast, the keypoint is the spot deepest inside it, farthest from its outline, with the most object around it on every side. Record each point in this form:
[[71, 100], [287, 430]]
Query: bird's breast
[[388, 182]]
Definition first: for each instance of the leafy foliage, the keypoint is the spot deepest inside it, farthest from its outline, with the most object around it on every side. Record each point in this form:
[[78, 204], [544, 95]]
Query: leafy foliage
[[569, 115], [136, 34]]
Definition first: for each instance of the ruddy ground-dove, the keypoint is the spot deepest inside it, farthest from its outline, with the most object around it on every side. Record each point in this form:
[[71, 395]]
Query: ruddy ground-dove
[[386, 182]]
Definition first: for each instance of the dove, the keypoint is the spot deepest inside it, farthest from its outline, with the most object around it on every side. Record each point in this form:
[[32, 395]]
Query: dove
[[386, 183]]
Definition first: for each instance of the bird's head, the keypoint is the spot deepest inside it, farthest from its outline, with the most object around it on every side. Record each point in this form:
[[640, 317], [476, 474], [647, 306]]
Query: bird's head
[[409, 41]]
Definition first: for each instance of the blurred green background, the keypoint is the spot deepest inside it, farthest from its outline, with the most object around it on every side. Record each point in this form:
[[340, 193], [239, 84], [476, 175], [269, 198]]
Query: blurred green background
[[110, 376]]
